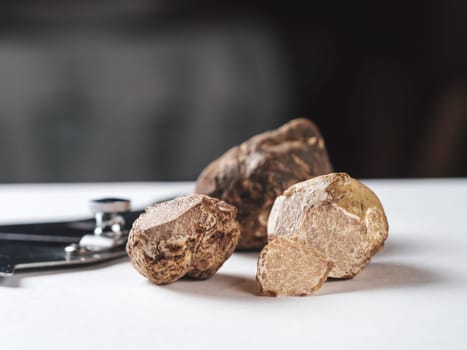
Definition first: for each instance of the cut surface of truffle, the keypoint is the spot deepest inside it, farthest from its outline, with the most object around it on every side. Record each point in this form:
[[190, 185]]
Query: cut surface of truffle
[[190, 236], [286, 267], [336, 215], [251, 175]]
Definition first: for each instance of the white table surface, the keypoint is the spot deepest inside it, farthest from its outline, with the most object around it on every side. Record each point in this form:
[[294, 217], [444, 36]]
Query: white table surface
[[413, 295]]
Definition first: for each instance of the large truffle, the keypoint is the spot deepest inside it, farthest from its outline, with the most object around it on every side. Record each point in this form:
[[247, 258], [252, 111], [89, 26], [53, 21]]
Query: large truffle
[[336, 215], [190, 236], [286, 267], [250, 176]]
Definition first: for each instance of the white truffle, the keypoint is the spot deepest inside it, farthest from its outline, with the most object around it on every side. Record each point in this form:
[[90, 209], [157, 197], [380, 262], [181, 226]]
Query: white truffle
[[286, 267], [251, 175], [336, 215], [188, 236]]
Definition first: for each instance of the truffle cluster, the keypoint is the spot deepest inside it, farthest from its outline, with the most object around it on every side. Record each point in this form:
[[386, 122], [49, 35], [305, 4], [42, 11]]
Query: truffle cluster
[[310, 223]]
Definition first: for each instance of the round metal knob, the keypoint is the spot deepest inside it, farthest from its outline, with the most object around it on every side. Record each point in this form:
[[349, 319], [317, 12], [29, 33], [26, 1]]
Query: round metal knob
[[109, 205], [106, 212]]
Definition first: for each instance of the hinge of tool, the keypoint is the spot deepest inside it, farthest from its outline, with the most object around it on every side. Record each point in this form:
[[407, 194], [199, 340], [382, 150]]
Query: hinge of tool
[[109, 231]]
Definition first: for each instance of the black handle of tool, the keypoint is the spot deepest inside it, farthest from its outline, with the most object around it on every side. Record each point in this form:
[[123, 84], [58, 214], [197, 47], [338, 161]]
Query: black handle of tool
[[64, 228], [59, 232]]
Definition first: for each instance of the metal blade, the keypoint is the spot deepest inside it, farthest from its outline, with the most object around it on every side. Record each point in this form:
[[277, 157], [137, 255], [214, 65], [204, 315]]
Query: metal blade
[[20, 256], [25, 237]]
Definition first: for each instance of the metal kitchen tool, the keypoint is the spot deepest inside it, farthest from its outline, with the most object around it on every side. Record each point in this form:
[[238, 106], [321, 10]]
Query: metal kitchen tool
[[68, 243]]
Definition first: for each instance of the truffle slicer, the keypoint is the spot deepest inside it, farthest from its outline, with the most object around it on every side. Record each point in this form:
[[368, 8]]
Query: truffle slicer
[[68, 243]]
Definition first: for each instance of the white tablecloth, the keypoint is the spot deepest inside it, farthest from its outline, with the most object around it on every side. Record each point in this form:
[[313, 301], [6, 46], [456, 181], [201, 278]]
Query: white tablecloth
[[413, 295]]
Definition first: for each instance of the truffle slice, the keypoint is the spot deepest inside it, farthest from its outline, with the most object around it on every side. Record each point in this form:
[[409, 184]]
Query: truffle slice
[[336, 215], [250, 176], [286, 267], [190, 236]]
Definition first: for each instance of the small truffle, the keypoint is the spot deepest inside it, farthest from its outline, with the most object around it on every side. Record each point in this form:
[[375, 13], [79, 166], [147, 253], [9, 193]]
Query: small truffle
[[286, 267], [250, 176], [336, 215], [190, 236]]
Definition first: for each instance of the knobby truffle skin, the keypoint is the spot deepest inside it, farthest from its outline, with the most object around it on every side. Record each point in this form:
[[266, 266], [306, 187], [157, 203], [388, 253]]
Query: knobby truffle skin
[[188, 236], [336, 215], [286, 267], [251, 175]]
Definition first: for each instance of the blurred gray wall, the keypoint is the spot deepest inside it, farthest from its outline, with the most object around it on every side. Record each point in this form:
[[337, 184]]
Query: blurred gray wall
[[104, 105]]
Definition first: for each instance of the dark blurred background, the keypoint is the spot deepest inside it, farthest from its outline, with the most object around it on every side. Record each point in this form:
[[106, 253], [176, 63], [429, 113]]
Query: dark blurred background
[[116, 90]]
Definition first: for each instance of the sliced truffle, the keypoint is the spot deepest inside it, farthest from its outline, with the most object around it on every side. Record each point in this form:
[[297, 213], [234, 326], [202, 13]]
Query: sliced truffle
[[190, 236], [250, 176], [336, 215], [286, 267]]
